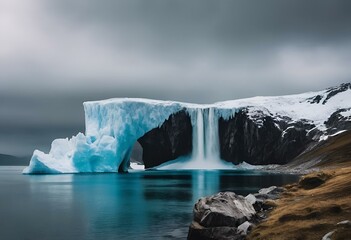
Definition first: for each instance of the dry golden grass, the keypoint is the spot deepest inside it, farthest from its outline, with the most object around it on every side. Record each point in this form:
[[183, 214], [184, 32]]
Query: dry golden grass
[[304, 213], [334, 153]]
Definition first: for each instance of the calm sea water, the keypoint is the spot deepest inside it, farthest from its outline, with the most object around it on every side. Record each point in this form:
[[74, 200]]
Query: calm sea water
[[138, 205]]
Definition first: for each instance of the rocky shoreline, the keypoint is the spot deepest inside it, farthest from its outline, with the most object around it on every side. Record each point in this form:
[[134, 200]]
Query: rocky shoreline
[[227, 215], [317, 207]]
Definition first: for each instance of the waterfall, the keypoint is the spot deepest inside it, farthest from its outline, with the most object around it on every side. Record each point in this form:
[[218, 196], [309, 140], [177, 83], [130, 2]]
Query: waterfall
[[205, 136], [205, 141], [199, 136], [212, 136]]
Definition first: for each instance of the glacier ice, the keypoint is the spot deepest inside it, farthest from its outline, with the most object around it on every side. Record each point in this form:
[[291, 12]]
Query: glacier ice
[[114, 125], [112, 128]]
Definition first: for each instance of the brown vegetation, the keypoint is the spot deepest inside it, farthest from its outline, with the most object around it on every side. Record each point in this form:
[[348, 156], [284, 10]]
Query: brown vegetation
[[310, 213], [312, 207], [333, 153]]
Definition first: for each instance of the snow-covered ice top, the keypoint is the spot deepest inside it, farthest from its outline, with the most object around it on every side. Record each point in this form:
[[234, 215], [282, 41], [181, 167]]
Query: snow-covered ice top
[[296, 107], [113, 126]]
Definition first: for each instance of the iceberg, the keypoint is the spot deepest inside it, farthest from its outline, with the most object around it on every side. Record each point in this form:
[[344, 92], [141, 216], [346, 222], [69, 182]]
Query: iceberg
[[113, 126]]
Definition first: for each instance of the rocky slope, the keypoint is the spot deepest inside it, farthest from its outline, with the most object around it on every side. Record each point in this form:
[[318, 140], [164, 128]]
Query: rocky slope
[[319, 205], [332, 152], [267, 133]]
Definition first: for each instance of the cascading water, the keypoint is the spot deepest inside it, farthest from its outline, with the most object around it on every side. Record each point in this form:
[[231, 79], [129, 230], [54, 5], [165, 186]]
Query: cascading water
[[212, 136], [205, 136], [206, 141], [198, 136], [205, 153]]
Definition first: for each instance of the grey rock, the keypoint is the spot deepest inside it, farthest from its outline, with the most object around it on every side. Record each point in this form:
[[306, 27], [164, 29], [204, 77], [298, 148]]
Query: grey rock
[[251, 198], [223, 209], [337, 121], [261, 197], [328, 236], [273, 190], [244, 228], [345, 223], [198, 232], [256, 203], [218, 217]]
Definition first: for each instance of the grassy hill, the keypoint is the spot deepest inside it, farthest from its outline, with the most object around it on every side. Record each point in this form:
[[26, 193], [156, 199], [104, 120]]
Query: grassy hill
[[312, 207]]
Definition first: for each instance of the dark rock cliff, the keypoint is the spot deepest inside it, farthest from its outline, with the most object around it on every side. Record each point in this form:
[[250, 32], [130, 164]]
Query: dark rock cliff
[[170, 141], [337, 121], [262, 141], [257, 140], [254, 135]]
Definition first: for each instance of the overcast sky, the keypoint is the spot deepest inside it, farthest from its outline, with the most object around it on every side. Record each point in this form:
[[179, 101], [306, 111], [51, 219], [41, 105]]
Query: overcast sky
[[56, 54]]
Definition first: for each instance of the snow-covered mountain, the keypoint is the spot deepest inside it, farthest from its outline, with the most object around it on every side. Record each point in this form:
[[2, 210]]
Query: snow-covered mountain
[[315, 108], [268, 130], [259, 130]]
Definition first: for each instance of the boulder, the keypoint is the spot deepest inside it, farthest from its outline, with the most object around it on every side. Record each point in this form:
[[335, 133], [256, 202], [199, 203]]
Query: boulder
[[344, 223], [263, 199], [256, 203], [223, 209], [227, 215], [328, 236], [218, 217], [251, 198], [272, 192], [244, 228]]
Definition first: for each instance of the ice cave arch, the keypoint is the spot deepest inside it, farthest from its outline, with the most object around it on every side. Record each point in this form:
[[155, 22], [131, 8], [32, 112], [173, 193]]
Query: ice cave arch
[[114, 125], [171, 140], [112, 128]]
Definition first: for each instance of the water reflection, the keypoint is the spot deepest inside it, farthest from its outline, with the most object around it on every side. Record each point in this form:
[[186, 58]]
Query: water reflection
[[57, 187], [140, 205], [204, 183], [157, 186], [155, 204]]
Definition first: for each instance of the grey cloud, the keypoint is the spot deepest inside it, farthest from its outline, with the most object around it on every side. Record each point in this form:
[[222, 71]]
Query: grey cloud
[[83, 45], [56, 54]]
